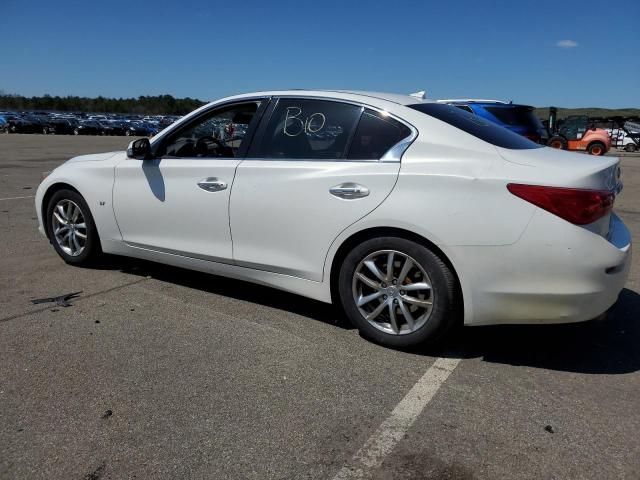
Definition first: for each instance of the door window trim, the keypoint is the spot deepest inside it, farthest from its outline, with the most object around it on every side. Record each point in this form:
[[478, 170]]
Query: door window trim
[[393, 155]]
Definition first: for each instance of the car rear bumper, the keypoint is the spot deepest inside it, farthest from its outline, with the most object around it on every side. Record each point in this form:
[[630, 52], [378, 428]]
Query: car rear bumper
[[556, 273]]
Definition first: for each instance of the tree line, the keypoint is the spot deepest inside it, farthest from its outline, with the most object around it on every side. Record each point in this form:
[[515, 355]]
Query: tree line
[[148, 105]]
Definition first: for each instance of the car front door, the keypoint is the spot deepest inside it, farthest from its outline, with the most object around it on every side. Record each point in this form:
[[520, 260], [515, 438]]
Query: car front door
[[178, 202], [315, 167]]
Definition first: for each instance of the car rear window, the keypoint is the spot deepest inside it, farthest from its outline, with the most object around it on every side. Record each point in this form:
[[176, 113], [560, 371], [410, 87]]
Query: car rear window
[[515, 116], [375, 135], [476, 126]]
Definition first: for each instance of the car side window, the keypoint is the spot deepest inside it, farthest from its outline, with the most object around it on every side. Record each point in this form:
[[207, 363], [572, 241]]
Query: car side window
[[309, 129], [375, 135], [219, 133]]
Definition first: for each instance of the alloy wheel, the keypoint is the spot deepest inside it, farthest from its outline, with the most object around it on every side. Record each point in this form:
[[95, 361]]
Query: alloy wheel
[[393, 292], [69, 227]]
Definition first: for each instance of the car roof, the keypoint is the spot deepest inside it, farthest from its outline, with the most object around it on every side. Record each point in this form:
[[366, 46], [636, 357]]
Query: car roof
[[356, 95]]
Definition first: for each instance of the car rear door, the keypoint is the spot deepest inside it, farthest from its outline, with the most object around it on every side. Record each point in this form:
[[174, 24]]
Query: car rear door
[[178, 202], [315, 167]]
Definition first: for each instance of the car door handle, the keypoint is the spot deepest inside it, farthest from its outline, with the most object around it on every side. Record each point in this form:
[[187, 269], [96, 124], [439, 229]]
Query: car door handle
[[212, 184], [349, 191]]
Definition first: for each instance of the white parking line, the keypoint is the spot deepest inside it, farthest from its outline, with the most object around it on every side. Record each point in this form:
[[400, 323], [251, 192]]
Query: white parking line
[[18, 198], [394, 428]]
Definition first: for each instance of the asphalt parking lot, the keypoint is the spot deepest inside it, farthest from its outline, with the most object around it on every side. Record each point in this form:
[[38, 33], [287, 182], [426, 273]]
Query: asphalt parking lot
[[157, 372]]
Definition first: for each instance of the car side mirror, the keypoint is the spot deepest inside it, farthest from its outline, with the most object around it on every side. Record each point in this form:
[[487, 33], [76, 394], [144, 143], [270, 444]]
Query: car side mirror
[[139, 149]]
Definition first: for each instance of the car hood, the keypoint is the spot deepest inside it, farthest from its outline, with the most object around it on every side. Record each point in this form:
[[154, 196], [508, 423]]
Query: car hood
[[94, 157]]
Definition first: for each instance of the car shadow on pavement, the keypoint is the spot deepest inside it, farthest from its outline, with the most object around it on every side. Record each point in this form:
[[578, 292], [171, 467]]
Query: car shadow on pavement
[[604, 346], [228, 287]]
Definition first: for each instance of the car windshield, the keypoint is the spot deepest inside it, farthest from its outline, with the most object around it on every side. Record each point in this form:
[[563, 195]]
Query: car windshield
[[476, 126]]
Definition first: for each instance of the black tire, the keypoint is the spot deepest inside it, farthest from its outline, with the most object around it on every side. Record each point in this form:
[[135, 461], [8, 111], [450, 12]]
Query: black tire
[[558, 142], [444, 311], [597, 148], [630, 147], [92, 249]]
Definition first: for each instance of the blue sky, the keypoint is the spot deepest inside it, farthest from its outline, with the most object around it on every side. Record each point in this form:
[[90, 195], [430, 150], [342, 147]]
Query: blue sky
[[564, 53]]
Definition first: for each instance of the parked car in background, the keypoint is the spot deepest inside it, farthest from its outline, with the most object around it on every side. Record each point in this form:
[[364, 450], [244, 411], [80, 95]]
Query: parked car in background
[[25, 124], [139, 129], [60, 126], [113, 127], [88, 127], [517, 118], [81, 123], [167, 120], [409, 213]]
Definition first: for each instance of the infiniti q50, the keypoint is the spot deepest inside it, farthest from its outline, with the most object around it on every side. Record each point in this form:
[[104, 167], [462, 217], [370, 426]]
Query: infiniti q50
[[408, 213]]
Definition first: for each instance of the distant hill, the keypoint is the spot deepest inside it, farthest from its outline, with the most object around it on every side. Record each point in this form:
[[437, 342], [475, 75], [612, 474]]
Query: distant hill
[[543, 112]]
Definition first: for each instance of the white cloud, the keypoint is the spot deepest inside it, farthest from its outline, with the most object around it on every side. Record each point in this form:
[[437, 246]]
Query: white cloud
[[566, 44]]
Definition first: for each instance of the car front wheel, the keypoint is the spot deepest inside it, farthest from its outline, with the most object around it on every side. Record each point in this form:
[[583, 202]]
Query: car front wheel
[[397, 292], [71, 228]]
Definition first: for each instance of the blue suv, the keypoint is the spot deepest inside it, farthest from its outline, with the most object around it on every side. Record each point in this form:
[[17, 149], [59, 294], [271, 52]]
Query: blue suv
[[517, 118]]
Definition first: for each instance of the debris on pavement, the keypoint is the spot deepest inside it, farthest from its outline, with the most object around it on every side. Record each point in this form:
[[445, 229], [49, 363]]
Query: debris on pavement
[[61, 300], [549, 429], [107, 414], [97, 473]]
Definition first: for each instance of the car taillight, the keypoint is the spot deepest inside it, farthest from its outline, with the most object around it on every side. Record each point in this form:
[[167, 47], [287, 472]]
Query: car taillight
[[574, 205]]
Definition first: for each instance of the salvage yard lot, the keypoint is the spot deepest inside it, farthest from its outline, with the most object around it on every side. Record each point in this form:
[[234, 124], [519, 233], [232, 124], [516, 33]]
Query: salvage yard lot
[[157, 372]]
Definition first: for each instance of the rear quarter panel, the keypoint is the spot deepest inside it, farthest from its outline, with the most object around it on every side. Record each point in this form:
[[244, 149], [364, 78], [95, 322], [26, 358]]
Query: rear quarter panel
[[454, 197]]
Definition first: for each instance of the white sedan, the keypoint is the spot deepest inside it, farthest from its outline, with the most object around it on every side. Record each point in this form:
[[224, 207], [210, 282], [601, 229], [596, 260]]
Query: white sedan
[[408, 213]]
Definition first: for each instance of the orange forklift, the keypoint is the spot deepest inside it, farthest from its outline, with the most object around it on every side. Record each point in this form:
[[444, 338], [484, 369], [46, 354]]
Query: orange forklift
[[577, 132]]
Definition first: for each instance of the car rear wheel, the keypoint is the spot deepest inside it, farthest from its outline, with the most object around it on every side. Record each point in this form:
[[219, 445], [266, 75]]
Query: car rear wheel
[[558, 142], [397, 292], [597, 148], [76, 131], [630, 147], [71, 228]]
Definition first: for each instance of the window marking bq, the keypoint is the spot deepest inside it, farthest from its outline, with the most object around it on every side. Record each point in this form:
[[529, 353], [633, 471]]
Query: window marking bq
[[307, 126]]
